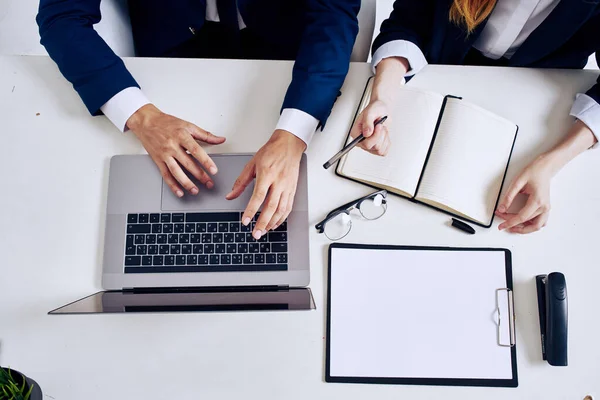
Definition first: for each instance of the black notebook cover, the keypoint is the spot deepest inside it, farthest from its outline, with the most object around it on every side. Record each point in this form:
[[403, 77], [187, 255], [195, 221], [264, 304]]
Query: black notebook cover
[[425, 164]]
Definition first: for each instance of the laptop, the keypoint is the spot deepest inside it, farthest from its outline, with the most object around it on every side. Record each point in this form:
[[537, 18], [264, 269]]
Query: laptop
[[164, 253]]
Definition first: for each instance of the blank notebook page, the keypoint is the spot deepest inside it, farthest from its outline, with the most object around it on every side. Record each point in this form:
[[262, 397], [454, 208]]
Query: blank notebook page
[[411, 125], [417, 314], [468, 161]]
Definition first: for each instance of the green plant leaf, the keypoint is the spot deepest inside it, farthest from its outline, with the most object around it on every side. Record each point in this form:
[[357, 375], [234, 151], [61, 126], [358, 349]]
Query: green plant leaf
[[6, 394], [28, 394], [4, 377], [9, 388]]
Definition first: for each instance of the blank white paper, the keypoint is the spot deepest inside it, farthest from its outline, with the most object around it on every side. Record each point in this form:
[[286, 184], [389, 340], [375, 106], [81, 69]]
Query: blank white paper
[[468, 161], [417, 314]]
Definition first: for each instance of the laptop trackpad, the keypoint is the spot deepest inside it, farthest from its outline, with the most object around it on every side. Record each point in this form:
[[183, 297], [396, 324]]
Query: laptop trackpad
[[230, 167]]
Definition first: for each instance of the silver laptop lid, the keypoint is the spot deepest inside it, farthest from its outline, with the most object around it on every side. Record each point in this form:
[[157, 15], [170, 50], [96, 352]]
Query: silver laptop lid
[[190, 301]]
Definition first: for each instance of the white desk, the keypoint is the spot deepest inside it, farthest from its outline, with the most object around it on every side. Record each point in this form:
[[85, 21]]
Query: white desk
[[54, 175]]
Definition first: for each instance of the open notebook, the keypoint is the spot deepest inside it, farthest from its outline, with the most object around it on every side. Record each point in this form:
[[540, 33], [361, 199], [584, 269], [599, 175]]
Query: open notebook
[[446, 153]]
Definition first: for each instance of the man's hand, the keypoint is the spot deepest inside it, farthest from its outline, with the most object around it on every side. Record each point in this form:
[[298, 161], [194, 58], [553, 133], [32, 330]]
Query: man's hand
[[377, 137], [166, 139], [275, 167]]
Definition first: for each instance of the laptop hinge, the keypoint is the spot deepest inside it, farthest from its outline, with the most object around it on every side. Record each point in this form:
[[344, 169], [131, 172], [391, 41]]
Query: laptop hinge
[[211, 289]]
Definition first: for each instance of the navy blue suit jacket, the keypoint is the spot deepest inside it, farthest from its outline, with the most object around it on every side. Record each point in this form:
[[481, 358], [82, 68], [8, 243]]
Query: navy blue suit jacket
[[566, 39], [323, 31]]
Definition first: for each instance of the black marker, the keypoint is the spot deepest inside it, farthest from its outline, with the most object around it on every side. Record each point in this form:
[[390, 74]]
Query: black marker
[[463, 226]]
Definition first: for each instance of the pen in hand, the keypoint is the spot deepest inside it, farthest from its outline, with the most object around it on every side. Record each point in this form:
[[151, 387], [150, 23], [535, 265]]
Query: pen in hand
[[350, 145]]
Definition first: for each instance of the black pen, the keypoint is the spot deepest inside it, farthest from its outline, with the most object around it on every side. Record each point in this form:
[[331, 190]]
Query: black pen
[[463, 226], [351, 145]]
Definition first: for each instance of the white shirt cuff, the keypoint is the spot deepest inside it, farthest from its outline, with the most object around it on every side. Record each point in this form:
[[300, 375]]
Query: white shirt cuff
[[299, 123], [587, 111], [123, 105], [401, 48]]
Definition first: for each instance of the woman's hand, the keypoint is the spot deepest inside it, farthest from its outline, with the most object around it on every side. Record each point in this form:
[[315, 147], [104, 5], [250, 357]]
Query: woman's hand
[[534, 181], [388, 78], [377, 137]]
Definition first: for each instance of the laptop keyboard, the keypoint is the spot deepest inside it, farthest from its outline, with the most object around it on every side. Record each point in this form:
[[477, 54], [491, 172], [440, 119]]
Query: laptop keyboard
[[201, 242]]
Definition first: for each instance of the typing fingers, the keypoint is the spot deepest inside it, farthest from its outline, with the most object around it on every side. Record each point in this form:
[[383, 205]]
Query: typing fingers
[[180, 176], [282, 211], [290, 205], [269, 210], [245, 178], [261, 188], [200, 154], [188, 163], [168, 178]]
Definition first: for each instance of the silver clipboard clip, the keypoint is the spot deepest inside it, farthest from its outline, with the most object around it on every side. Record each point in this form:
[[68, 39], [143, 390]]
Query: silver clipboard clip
[[510, 317]]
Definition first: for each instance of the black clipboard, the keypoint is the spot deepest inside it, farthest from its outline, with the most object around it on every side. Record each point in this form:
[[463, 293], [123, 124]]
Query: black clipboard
[[413, 199], [512, 382]]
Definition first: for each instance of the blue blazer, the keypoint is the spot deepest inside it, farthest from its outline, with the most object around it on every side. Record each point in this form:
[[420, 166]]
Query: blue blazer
[[323, 32], [566, 39]]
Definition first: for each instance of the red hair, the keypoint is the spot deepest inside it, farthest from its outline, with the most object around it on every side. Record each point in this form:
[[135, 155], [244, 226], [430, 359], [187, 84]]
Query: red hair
[[470, 13]]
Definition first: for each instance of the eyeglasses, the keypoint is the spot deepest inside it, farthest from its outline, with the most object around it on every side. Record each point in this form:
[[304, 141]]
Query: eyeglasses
[[338, 222]]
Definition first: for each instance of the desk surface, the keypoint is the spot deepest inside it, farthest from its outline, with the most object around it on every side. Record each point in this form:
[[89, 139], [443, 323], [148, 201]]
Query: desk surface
[[54, 163]]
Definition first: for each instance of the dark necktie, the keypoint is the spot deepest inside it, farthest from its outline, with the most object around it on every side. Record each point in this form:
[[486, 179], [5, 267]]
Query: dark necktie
[[228, 14]]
